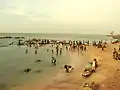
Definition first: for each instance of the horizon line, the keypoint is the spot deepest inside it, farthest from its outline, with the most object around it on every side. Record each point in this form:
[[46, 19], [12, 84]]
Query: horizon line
[[48, 33]]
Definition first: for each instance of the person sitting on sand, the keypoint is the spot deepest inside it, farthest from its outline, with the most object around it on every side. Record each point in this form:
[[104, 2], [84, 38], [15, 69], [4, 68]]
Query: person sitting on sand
[[53, 61]]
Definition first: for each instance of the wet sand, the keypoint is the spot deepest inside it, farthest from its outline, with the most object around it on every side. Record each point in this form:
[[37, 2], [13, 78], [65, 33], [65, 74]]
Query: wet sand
[[105, 73]]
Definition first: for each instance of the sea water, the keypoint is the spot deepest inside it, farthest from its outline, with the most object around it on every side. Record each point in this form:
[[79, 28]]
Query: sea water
[[13, 60]]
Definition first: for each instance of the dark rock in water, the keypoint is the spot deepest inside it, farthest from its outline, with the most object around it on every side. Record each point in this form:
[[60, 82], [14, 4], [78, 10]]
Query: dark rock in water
[[27, 70], [38, 60]]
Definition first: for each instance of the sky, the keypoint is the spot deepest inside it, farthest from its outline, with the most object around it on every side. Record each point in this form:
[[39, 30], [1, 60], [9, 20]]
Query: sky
[[60, 16]]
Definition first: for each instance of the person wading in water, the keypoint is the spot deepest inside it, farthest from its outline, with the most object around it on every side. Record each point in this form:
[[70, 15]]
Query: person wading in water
[[60, 51], [53, 61], [52, 51], [57, 51], [36, 52], [26, 51]]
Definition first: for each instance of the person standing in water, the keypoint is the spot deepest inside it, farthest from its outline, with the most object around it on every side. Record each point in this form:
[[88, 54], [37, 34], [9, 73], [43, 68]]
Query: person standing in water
[[26, 51], [57, 49], [47, 50], [52, 51], [66, 47], [53, 61], [36, 51], [60, 51]]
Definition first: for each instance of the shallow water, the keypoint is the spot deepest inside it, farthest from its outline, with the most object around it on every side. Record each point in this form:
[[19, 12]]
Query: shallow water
[[13, 61]]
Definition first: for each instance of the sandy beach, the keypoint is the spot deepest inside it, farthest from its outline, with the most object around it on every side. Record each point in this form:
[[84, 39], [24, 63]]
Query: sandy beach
[[59, 44], [105, 73]]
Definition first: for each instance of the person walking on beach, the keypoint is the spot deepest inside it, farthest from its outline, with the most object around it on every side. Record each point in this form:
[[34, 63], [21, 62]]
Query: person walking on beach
[[78, 49], [68, 47], [84, 47], [115, 53], [102, 48], [53, 61], [119, 48]]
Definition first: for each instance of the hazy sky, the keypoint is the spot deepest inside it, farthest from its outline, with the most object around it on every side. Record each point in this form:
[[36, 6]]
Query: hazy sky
[[78, 16]]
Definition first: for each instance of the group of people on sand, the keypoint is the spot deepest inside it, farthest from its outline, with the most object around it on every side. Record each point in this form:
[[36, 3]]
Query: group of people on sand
[[116, 53], [100, 44]]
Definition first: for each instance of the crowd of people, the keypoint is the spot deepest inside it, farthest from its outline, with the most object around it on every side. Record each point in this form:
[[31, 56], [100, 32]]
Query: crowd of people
[[57, 47]]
